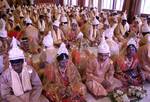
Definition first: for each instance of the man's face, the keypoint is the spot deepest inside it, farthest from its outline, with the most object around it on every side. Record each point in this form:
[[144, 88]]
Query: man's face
[[17, 66], [131, 51], [103, 56], [63, 64], [124, 22]]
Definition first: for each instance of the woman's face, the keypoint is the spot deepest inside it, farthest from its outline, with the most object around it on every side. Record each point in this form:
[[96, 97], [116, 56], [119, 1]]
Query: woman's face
[[131, 50], [63, 64]]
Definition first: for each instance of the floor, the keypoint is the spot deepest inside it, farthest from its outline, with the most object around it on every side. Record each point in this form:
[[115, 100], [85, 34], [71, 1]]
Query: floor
[[90, 98]]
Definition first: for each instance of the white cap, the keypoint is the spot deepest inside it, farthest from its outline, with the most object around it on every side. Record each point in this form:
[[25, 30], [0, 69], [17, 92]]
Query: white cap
[[15, 52], [124, 16], [21, 14], [109, 33], [103, 46], [59, 6], [45, 10], [56, 23], [28, 20], [145, 28], [138, 20], [35, 11], [80, 35], [132, 41], [106, 22], [95, 22], [62, 49], [74, 21], [13, 7], [48, 40], [63, 19], [48, 14], [3, 33], [11, 18]]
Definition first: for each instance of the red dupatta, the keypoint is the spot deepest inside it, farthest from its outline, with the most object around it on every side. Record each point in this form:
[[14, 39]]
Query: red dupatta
[[121, 62]]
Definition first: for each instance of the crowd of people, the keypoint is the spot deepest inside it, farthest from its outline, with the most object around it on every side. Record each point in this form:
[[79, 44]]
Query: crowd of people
[[61, 53]]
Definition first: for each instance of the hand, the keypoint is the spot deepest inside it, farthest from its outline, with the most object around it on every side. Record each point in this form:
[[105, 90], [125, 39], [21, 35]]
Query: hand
[[25, 97], [106, 84]]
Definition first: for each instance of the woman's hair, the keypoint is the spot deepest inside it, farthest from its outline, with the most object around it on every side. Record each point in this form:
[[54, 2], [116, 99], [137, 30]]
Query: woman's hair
[[132, 46], [62, 56]]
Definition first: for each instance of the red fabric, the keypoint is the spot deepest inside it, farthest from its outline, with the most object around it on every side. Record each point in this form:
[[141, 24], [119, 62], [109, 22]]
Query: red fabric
[[71, 35], [123, 65], [129, 75], [49, 73], [67, 100], [75, 56], [16, 34], [65, 81]]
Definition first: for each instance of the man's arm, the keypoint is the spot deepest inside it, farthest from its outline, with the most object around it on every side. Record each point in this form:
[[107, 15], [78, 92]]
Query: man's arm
[[36, 87], [6, 93]]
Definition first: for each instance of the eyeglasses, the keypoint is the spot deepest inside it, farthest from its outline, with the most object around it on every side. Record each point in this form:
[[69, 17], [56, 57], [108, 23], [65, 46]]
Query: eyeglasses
[[95, 25], [64, 22]]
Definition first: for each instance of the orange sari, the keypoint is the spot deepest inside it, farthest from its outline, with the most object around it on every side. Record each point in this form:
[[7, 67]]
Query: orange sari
[[63, 87]]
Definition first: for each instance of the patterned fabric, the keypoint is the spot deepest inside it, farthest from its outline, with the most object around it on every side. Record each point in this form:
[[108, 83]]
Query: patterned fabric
[[100, 77], [62, 88], [128, 71]]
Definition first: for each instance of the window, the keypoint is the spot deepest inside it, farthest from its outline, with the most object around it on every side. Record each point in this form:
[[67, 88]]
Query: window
[[74, 2], [107, 4], [145, 8], [65, 2], [70, 2], [95, 3], [86, 3], [119, 5]]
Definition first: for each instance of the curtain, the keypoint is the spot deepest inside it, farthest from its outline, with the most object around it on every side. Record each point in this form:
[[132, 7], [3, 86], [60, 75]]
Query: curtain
[[136, 6], [114, 4], [133, 7], [99, 5], [126, 5], [80, 3]]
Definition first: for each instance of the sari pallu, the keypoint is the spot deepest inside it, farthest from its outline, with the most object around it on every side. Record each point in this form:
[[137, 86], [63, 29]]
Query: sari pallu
[[129, 75], [63, 88]]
